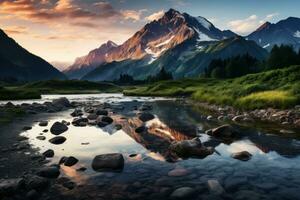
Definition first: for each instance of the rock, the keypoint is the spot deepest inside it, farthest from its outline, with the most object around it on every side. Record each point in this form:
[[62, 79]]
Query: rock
[[210, 117], [62, 160], [224, 131], [77, 113], [102, 124], [190, 148], [49, 153], [141, 129], [57, 140], [238, 118], [183, 193], [45, 131], [43, 123], [58, 128], [10, 186], [22, 138], [63, 101], [40, 137], [26, 128], [107, 119], [70, 161], [132, 155], [36, 182], [243, 156], [108, 162], [92, 116], [69, 185], [101, 112], [178, 172], [144, 117], [215, 187], [284, 131], [80, 121], [49, 172]]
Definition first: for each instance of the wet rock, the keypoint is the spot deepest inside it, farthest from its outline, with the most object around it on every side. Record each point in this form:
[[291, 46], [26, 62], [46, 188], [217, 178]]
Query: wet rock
[[144, 117], [284, 131], [22, 138], [238, 118], [49, 153], [107, 119], [224, 131], [58, 128], [62, 160], [57, 140], [40, 137], [36, 182], [108, 162], [63, 101], [132, 155], [43, 123], [80, 121], [69, 185], [102, 124], [141, 129], [26, 128], [45, 131], [243, 155], [70, 161], [10, 186], [49, 172], [77, 113], [92, 116], [178, 172], [215, 187], [190, 148], [183, 193], [210, 117], [101, 112]]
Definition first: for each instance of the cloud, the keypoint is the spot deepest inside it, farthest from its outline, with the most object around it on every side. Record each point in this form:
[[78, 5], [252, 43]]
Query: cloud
[[155, 16], [249, 24], [132, 14], [12, 30]]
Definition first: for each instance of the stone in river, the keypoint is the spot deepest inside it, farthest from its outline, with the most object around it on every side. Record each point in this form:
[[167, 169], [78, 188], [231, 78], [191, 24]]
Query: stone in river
[[63, 101], [58, 128], [102, 124], [183, 193], [144, 117], [81, 121], [215, 187], [76, 113], [49, 172], [108, 162], [40, 137], [45, 130], [70, 161], [243, 155], [107, 119], [92, 116], [101, 112], [224, 131], [57, 140], [26, 128], [43, 123], [49, 153], [178, 172]]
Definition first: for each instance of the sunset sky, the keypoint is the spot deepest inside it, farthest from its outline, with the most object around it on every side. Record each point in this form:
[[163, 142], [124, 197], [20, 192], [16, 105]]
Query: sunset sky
[[61, 30]]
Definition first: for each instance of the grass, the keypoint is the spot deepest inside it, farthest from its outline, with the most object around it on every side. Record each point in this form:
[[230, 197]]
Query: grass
[[36, 89], [277, 88]]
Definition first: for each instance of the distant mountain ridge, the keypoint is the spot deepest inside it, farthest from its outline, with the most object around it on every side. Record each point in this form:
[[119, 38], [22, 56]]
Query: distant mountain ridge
[[19, 64], [286, 32]]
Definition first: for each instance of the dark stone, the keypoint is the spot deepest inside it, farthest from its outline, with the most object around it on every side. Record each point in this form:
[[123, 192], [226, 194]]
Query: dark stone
[[26, 128], [108, 162], [243, 155], [81, 169], [49, 153], [49, 172], [58, 128], [63, 101], [70, 161], [32, 195], [62, 160], [101, 112], [140, 129], [77, 113], [224, 131], [57, 140], [107, 119], [45, 130], [80, 121], [43, 123], [40, 137], [102, 124], [92, 116], [144, 117]]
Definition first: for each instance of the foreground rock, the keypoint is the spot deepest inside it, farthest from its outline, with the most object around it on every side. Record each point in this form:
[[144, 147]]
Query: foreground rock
[[183, 193], [49, 153], [224, 131], [108, 162], [57, 140], [81, 121], [49, 172], [144, 117], [43, 123], [190, 148], [58, 128], [70, 161], [243, 155]]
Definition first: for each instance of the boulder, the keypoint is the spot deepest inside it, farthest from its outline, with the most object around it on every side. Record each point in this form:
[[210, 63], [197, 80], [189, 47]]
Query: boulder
[[107, 119], [224, 131], [190, 148], [108, 162], [101, 112], [49, 172], [80, 121], [43, 123], [77, 113], [144, 117], [57, 140], [183, 193], [92, 116], [58, 128], [70, 161], [141, 129], [49, 153], [63, 101], [243, 155]]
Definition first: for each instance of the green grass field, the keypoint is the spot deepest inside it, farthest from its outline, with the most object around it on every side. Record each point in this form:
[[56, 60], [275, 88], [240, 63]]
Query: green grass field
[[277, 88]]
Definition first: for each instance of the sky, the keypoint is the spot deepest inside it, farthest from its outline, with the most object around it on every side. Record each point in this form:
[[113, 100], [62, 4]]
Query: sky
[[61, 30]]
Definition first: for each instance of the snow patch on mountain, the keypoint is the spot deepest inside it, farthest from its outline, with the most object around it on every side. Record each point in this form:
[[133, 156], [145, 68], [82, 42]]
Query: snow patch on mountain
[[204, 22], [203, 37], [266, 46], [297, 34], [154, 55], [165, 42]]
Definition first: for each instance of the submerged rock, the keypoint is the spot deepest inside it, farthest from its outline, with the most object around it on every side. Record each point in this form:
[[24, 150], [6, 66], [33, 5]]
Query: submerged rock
[[141, 129], [70, 161], [58, 128], [57, 140], [108, 162], [190, 148], [183, 193], [243, 155], [81, 121], [107, 119], [144, 117], [36, 182]]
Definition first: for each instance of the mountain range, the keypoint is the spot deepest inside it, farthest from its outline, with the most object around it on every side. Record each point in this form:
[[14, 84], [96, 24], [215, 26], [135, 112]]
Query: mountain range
[[18, 64]]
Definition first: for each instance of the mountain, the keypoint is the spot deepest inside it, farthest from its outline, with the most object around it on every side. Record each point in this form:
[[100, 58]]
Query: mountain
[[154, 39], [89, 62], [188, 59], [19, 64], [284, 32]]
